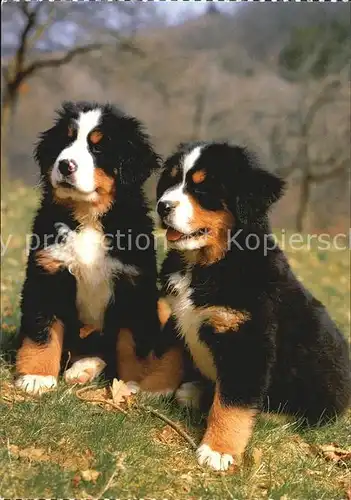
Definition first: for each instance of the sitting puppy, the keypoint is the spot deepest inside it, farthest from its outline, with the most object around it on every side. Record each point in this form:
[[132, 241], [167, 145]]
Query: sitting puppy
[[249, 324], [92, 263]]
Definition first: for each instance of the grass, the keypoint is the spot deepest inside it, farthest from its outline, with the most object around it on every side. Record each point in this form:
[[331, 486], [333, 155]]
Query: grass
[[58, 446]]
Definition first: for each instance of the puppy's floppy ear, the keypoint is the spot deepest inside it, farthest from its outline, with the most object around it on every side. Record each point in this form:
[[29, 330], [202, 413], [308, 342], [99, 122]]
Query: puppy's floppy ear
[[48, 147], [256, 189], [262, 190], [139, 158], [51, 142]]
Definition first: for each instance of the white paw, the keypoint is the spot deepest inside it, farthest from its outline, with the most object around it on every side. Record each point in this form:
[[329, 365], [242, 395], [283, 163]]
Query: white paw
[[36, 384], [189, 395], [164, 393], [134, 387], [84, 370], [214, 459]]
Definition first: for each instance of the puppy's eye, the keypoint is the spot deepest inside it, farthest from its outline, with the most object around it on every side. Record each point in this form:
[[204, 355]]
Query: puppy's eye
[[70, 131], [199, 176], [95, 136]]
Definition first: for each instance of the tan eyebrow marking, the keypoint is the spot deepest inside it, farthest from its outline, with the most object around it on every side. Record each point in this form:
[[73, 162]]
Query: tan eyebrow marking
[[174, 171], [70, 131], [95, 136], [199, 176]]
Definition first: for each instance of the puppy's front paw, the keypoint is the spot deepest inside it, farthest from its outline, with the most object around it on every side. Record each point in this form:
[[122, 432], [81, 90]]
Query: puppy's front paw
[[189, 395], [214, 459], [84, 370], [63, 232], [36, 384], [134, 387]]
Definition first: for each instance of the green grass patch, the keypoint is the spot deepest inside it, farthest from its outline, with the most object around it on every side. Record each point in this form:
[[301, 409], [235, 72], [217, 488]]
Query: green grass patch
[[60, 446]]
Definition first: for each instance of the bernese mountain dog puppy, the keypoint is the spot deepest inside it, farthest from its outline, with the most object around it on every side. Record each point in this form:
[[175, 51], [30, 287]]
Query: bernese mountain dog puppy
[[91, 269], [251, 327]]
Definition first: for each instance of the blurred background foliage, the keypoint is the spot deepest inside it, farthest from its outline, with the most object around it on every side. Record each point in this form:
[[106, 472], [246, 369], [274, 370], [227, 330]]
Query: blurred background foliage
[[272, 76]]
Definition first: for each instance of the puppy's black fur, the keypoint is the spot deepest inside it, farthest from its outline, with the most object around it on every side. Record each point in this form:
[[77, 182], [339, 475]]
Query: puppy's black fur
[[124, 158], [288, 355]]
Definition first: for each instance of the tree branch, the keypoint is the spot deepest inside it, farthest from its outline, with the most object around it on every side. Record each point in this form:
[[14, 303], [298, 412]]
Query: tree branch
[[339, 170], [25, 9], [59, 61], [41, 28], [286, 171], [22, 47], [324, 97], [28, 12]]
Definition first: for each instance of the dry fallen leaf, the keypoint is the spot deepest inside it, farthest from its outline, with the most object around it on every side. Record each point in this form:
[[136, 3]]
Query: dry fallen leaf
[[167, 436], [333, 453], [31, 453], [67, 460], [90, 475], [119, 391], [76, 480], [9, 394]]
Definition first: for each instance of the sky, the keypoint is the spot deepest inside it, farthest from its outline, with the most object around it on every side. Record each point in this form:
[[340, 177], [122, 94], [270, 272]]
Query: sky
[[176, 11], [64, 35]]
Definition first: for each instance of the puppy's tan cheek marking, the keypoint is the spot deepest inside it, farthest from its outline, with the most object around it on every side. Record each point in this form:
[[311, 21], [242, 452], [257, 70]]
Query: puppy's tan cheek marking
[[129, 366], [41, 359], [199, 176], [45, 261], [225, 319], [105, 188], [174, 172], [164, 311], [103, 182], [96, 136], [165, 373], [229, 428], [219, 223]]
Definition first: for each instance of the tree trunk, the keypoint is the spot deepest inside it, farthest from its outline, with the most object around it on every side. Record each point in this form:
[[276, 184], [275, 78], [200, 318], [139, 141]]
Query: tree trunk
[[7, 112], [305, 193], [199, 113]]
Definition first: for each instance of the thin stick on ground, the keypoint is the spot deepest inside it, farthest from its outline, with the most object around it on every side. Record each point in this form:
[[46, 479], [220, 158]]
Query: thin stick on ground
[[143, 407], [170, 422], [97, 400], [107, 486]]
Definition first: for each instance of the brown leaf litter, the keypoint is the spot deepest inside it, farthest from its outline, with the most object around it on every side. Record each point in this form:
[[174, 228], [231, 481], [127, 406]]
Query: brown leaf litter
[[107, 397], [332, 452], [9, 394], [68, 459], [167, 436]]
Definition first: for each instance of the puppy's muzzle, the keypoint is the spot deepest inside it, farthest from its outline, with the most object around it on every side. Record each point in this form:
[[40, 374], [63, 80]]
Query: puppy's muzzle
[[165, 208], [67, 167]]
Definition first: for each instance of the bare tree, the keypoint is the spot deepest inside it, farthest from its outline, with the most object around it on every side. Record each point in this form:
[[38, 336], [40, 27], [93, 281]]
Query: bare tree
[[293, 144], [35, 21]]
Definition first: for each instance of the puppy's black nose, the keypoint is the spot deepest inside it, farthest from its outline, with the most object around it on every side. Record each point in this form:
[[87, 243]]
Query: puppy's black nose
[[164, 208], [67, 167]]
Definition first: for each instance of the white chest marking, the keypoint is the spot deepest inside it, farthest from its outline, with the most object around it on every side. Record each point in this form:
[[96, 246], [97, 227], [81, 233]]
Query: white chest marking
[[85, 254], [189, 319]]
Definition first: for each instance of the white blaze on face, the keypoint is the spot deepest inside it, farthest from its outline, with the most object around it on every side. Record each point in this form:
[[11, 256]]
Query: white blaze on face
[[183, 212], [78, 151]]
